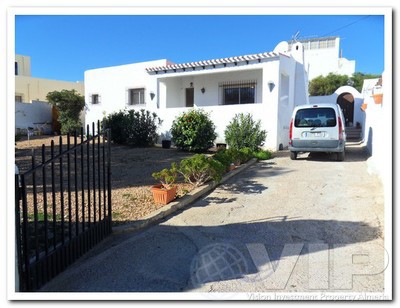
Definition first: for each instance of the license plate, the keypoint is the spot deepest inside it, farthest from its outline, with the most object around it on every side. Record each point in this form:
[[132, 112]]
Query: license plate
[[316, 134]]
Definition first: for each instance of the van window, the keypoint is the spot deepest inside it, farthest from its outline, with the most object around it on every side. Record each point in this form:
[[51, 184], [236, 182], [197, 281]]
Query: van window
[[315, 117]]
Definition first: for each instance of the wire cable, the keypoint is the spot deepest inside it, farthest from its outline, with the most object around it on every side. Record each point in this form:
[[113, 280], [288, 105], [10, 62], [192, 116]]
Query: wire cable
[[345, 26]]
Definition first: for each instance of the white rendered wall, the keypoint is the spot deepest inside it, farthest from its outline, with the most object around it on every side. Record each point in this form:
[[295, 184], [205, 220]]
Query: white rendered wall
[[112, 84], [28, 114], [222, 115], [326, 60]]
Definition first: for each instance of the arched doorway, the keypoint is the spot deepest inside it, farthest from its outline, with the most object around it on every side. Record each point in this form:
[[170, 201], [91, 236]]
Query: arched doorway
[[346, 102]]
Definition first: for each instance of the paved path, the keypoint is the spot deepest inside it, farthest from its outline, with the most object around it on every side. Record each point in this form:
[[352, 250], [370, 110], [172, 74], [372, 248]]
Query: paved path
[[282, 225]]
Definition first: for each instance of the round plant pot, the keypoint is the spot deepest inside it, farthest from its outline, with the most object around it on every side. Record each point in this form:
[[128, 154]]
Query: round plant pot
[[166, 144]]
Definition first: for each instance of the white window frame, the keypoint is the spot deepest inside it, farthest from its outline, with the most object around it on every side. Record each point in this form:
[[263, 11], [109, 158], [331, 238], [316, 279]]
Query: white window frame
[[142, 96]]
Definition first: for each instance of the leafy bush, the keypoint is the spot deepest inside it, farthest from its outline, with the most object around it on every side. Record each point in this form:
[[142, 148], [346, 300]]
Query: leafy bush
[[118, 122], [199, 169], [263, 155], [193, 131], [243, 132], [224, 157], [245, 154], [69, 104], [167, 177], [136, 128]]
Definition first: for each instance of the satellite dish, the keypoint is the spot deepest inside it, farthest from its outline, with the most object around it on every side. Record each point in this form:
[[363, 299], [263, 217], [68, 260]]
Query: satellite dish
[[282, 47]]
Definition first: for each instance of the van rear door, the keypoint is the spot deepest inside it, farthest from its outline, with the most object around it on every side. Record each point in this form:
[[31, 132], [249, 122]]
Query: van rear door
[[315, 127]]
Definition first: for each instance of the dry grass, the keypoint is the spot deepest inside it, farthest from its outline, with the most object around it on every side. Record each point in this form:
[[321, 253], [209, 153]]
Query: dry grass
[[131, 175]]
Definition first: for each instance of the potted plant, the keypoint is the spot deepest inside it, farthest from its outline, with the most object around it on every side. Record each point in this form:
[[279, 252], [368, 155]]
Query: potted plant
[[166, 140], [165, 192], [364, 107], [166, 144], [378, 98]]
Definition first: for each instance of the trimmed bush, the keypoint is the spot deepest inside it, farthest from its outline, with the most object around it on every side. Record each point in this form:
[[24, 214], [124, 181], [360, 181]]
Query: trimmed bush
[[245, 155], [199, 169], [224, 157], [244, 132], [193, 131], [136, 128]]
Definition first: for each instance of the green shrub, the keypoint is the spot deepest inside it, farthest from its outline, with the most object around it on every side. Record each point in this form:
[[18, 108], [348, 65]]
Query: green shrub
[[136, 128], [193, 131], [262, 154], [69, 104], [245, 155], [243, 132], [199, 169], [223, 157]]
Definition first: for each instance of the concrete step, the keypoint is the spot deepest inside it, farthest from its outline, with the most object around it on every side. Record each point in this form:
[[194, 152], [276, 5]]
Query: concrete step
[[353, 133]]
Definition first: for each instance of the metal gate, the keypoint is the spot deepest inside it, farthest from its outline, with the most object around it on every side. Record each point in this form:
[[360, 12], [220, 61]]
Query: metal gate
[[62, 205]]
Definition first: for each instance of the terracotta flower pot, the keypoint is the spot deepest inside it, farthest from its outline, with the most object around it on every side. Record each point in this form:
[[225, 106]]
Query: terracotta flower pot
[[378, 98], [162, 195], [364, 106]]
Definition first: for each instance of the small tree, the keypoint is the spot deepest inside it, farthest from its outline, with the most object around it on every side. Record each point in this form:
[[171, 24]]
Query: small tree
[[69, 104], [244, 132], [193, 131], [329, 84]]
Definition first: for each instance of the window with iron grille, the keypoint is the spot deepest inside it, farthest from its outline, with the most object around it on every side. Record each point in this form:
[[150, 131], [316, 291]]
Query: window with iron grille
[[18, 98], [238, 92], [136, 96]]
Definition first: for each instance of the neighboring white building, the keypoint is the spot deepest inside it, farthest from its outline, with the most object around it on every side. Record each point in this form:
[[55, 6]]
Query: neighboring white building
[[267, 85], [323, 56]]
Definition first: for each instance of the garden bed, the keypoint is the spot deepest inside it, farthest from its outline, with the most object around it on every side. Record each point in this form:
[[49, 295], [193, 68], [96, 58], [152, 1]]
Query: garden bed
[[131, 174]]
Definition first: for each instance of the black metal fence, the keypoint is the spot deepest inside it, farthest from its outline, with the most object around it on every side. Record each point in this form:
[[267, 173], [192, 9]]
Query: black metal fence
[[63, 205]]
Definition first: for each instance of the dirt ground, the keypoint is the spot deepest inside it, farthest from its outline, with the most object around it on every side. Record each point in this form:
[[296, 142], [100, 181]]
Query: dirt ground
[[131, 173]]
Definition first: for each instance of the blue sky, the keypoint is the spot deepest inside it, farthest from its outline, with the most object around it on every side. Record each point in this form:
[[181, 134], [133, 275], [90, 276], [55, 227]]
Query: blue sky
[[62, 47]]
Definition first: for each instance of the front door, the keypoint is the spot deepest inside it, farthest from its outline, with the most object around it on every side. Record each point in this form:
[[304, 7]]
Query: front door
[[189, 97]]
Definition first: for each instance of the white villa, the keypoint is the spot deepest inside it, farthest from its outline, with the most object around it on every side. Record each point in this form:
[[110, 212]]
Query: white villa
[[323, 55], [267, 85]]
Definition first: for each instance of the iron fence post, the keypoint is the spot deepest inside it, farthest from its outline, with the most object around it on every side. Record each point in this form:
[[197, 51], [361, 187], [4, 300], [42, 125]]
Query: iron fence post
[[18, 264]]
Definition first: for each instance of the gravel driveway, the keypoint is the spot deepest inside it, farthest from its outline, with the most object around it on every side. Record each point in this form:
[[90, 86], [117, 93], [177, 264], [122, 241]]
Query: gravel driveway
[[280, 226]]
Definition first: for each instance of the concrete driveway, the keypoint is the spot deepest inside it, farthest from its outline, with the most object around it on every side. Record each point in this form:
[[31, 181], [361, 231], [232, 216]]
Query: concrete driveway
[[310, 225]]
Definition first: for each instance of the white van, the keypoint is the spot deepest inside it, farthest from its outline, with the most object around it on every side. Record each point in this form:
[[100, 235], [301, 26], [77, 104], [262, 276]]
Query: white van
[[317, 128]]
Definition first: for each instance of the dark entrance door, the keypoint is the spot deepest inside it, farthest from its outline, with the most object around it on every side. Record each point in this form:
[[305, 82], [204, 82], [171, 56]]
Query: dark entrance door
[[346, 102], [189, 97]]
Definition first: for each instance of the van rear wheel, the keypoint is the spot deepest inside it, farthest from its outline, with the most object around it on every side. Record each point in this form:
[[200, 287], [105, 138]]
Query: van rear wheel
[[293, 155]]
